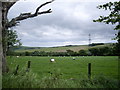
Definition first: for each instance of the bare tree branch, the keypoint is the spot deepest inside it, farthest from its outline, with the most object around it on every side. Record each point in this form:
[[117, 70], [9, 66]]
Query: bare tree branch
[[10, 4], [42, 6], [23, 16]]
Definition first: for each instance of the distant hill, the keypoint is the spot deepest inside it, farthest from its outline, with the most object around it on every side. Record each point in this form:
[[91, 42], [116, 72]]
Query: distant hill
[[75, 48], [25, 48]]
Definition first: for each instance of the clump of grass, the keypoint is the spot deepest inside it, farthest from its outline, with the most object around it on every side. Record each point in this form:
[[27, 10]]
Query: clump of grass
[[105, 82], [21, 80], [96, 82], [55, 80]]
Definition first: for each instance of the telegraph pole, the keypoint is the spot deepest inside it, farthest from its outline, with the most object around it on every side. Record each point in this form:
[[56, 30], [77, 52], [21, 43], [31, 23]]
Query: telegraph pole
[[89, 39]]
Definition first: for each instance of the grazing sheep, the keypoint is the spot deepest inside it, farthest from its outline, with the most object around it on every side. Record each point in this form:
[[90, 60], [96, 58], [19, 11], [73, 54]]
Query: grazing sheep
[[17, 56], [52, 60], [73, 58]]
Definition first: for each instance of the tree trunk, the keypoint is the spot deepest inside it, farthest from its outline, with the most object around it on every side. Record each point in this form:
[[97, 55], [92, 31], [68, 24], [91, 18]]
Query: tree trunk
[[1, 49], [3, 11]]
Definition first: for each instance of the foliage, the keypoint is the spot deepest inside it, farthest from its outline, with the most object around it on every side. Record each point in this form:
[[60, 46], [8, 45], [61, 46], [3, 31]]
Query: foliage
[[82, 53], [12, 40], [103, 51], [113, 18], [95, 44], [70, 52]]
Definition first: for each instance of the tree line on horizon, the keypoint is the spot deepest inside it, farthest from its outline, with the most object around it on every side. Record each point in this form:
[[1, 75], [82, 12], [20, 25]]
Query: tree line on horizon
[[95, 51]]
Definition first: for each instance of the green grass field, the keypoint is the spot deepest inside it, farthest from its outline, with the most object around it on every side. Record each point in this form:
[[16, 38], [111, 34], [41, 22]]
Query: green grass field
[[69, 68], [63, 73]]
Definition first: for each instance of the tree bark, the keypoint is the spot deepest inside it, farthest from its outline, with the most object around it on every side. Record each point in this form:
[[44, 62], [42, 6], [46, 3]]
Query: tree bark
[[4, 21], [1, 46], [1, 52], [5, 6]]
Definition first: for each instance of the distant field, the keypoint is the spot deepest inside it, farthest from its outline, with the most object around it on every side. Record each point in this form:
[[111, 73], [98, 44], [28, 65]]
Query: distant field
[[56, 49], [75, 48], [69, 68]]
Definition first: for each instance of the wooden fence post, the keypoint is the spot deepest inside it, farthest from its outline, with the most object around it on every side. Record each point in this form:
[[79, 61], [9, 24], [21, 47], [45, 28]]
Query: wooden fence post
[[89, 70], [28, 66], [16, 71]]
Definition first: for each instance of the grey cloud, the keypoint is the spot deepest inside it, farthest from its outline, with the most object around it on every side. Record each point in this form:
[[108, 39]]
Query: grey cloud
[[70, 23]]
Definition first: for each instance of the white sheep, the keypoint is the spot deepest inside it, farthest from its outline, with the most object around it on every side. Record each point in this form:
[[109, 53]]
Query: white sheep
[[17, 56], [73, 58], [52, 60]]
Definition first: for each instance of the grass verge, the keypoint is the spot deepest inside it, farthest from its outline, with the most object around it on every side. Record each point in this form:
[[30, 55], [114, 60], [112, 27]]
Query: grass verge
[[29, 80]]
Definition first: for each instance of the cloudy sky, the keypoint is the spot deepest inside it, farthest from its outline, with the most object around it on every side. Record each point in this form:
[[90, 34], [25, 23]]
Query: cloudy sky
[[70, 23]]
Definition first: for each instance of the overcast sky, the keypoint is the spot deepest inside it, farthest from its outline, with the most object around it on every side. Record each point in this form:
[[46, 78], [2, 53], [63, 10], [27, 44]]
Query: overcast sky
[[70, 23]]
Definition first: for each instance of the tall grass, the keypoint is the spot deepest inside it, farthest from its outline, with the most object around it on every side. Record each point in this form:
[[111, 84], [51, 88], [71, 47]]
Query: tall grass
[[55, 80], [21, 80]]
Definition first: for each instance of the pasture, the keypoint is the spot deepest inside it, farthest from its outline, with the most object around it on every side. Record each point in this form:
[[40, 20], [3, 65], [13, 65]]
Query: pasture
[[67, 67], [74, 48], [63, 73]]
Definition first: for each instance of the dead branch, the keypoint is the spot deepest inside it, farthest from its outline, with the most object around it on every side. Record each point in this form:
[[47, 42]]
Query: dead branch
[[24, 16], [42, 6]]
